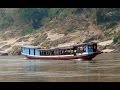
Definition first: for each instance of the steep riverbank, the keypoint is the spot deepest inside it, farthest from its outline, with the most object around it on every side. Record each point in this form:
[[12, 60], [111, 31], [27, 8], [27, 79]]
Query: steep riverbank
[[11, 41], [58, 27], [13, 46]]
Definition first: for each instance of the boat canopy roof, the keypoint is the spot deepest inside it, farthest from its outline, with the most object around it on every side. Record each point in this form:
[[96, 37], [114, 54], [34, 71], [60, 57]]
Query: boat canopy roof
[[60, 48], [30, 46], [83, 44]]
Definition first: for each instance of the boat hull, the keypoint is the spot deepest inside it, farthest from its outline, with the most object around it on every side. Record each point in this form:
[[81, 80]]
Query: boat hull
[[84, 57]]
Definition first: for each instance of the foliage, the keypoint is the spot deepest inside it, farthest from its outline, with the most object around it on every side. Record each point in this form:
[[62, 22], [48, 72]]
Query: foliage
[[5, 19], [70, 30], [33, 16], [27, 30], [36, 17], [52, 12], [108, 15], [62, 12], [117, 38]]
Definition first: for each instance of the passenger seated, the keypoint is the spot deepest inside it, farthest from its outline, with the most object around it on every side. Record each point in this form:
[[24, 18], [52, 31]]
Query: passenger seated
[[84, 49]]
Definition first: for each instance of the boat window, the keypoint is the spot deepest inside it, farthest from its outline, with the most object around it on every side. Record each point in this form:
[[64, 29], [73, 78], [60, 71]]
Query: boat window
[[44, 52], [78, 49], [70, 51], [21, 49], [94, 47], [48, 53], [74, 50], [29, 51], [90, 47], [52, 52], [61, 52], [84, 49], [34, 51], [57, 52], [40, 52]]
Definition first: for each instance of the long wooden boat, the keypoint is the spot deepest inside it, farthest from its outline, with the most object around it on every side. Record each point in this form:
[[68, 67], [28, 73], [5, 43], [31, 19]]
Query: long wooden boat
[[85, 51]]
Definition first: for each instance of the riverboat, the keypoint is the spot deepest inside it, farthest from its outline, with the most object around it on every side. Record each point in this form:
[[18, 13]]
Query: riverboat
[[84, 51]]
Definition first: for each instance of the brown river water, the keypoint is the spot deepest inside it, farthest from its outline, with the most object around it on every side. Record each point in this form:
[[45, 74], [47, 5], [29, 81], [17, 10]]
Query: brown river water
[[104, 67]]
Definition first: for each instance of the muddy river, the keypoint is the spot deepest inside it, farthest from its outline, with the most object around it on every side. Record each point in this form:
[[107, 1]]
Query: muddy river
[[104, 67]]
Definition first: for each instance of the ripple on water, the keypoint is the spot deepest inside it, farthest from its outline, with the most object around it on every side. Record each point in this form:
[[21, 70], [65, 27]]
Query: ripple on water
[[104, 67]]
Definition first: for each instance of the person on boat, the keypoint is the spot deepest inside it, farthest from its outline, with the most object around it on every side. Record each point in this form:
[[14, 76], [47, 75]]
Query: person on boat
[[84, 49]]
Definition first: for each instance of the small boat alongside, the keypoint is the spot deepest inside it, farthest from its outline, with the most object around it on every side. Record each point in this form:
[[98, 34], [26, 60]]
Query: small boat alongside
[[85, 51]]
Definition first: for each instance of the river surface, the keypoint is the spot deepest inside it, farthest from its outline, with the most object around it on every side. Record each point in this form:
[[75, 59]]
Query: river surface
[[104, 67]]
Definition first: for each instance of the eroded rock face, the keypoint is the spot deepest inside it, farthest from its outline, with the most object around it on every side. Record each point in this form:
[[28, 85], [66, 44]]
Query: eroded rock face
[[16, 50], [88, 38], [3, 53]]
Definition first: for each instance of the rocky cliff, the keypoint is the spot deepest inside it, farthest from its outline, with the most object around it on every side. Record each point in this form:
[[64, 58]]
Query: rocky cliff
[[64, 27]]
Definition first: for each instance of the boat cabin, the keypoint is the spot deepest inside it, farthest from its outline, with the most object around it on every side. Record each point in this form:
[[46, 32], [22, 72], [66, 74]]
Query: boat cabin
[[30, 50], [86, 48], [82, 48]]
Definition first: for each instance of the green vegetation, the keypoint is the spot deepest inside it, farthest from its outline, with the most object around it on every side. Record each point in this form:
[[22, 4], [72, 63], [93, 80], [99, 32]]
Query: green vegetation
[[33, 16], [108, 15], [5, 19], [61, 13], [32, 19], [69, 30], [117, 38], [27, 30]]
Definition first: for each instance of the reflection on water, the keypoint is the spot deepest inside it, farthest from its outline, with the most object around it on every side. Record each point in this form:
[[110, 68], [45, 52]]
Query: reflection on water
[[104, 67]]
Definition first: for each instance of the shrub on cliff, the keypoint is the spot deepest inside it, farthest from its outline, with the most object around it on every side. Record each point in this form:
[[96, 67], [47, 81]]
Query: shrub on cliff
[[117, 38], [33, 16]]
